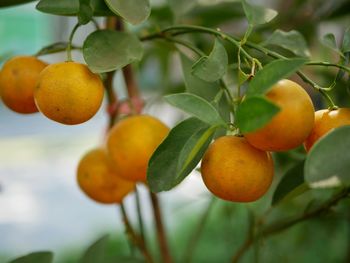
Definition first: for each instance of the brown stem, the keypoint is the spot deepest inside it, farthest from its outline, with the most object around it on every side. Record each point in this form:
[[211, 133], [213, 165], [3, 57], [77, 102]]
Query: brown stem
[[281, 225], [134, 237], [130, 82], [163, 244]]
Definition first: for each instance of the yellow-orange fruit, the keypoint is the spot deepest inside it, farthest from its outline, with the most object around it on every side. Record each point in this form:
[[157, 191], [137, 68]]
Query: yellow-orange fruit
[[234, 170], [131, 143], [325, 121], [69, 93], [292, 125], [18, 79], [98, 179]]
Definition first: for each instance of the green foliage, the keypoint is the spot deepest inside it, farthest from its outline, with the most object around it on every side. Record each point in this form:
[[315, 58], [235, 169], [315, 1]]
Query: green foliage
[[346, 41], [35, 257], [328, 162], [213, 67], [292, 41], [197, 107], [86, 12], [272, 73], [133, 11], [7, 3], [96, 251], [330, 42], [257, 15], [255, 112], [107, 50], [178, 154]]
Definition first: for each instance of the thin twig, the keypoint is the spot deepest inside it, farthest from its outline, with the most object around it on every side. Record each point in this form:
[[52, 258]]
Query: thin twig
[[139, 214]]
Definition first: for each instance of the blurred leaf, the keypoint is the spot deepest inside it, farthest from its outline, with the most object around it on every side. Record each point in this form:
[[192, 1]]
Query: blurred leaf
[[35, 257], [291, 185], [107, 50], [271, 73], [346, 41], [292, 41], [181, 7], [126, 260], [195, 85], [213, 67], [96, 252], [254, 112], [178, 154], [85, 12], [71, 7], [6, 3], [258, 15], [133, 11], [328, 162], [329, 41], [53, 48]]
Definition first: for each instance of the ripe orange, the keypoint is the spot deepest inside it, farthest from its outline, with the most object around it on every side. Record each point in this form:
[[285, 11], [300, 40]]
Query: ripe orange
[[98, 180], [18, 79], [131, 143], [325, 121], [69, 93], [235, 171], [292, 125]]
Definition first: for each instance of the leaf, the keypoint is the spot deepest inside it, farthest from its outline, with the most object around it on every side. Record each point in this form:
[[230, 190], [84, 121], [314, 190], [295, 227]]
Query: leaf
[[329, 41], [96, 252], [292, 41], [181, 7], [291, 185], [85, 12], [196, 106], [328, 162], [35, 257], [272, 73], [254, 113], [178, 154], [5, 3], [133, 11], [108, 50], [258, 15], [204, 89], [213, 67], [71, 7], [53, 48], [346, 41]]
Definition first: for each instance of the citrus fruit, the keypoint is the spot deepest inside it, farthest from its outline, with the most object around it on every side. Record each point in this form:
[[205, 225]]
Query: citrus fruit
[[325, 121], [68, 93], [291, 125], [234, 170], [131, 143], [98, 179], [18, 79]]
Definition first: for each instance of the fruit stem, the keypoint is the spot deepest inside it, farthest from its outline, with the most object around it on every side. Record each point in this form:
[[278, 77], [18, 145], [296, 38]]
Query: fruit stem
[[139, 214], [163, 243], [69, 46]]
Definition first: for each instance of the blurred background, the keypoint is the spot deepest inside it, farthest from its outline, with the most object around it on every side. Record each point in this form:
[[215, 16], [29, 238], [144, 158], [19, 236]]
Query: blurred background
[[41, 207]]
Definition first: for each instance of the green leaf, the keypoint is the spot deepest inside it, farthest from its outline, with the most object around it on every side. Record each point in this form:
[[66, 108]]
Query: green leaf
[[181, 7], [272, 73], [292, 41], [71, 7], [108, 50], [258, 15], [96, 252], [254, 113], [53, 48], [329, 41], [133, 11], [6, 3], [85, 12], [328, 162], [35, 257], [196, 106], [178, 154], [346, 41], [204, 89], [291, 185], [213, 67]]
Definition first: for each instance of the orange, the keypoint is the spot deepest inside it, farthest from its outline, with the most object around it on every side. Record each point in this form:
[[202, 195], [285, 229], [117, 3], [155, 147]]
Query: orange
[[18, 79], [234, 170], [69, 93], [292, 125], [98, 180], [325, 121], [131, 143]]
